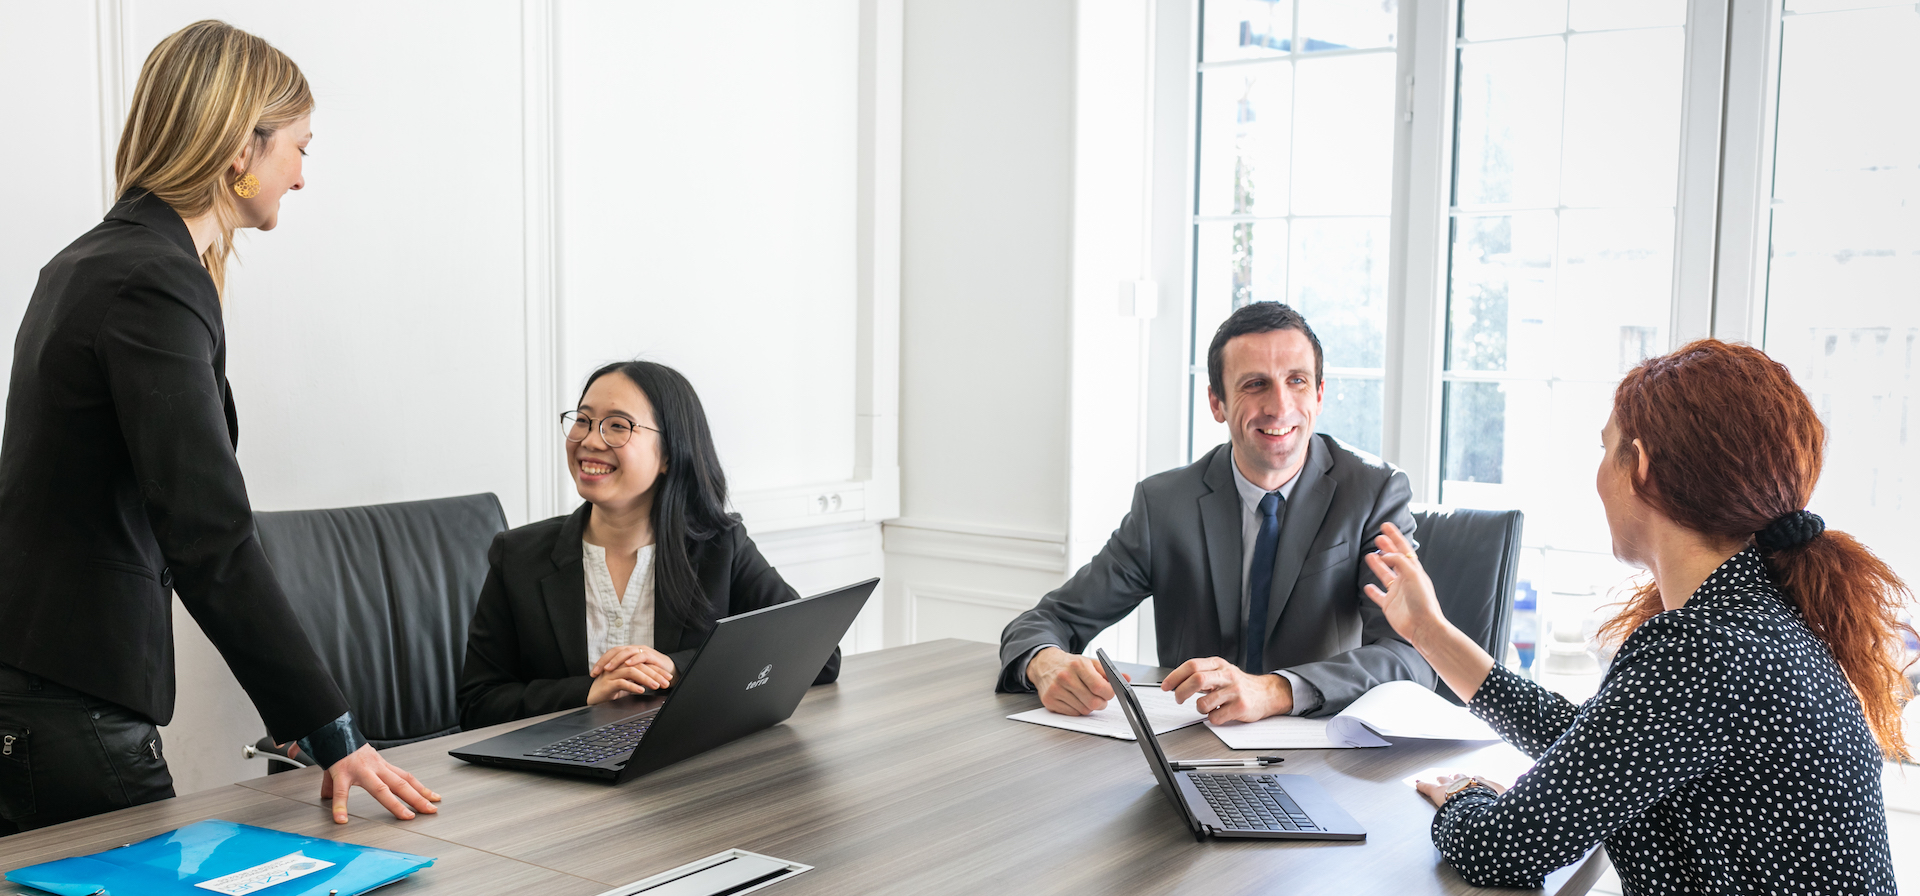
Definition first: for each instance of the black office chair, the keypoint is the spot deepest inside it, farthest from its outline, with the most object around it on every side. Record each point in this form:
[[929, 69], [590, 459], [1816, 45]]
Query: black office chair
[[1473, 557], [385, 593]]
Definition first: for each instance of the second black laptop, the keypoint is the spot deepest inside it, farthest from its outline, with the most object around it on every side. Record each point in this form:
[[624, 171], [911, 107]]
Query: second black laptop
[[750, 674], [1236, 804]]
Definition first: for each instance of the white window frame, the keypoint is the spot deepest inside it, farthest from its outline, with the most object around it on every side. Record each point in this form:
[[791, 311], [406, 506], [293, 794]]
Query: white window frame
[[1721, 224]]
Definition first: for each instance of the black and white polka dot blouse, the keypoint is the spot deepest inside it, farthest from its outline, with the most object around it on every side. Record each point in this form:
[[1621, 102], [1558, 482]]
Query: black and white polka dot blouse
[[1724, 753]]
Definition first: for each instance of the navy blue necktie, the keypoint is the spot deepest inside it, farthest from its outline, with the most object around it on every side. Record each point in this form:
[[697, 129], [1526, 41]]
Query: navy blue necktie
[[1260, 582]]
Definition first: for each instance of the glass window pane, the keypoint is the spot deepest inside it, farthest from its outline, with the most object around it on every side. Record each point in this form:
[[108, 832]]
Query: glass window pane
[[1597, 15], [1244, 129], [1800, 6], [1843, 308], [1343, 138], [1350, 411], [1476, 441], [1488, 19], [1235, 264], [1552, 300], [1245, 29], [1623, 118], [1502, 274], [1508, 137], [1348, 24], [1613, 301], [1339, 284], [1535, 445]]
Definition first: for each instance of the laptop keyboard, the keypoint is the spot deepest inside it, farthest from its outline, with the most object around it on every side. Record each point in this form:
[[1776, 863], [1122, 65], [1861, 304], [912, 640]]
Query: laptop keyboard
[[1252, 802], [601, 743]]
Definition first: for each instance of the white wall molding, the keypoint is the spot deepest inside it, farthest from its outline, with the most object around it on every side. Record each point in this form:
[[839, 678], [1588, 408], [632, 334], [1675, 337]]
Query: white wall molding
[[110, 52], [540, 222], [998, 600], [818, 543], [948, 611], [985, 545], [806, 506]]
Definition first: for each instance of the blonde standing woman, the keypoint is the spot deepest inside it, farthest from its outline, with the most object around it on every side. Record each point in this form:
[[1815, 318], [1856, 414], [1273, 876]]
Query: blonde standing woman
[[118, 481]]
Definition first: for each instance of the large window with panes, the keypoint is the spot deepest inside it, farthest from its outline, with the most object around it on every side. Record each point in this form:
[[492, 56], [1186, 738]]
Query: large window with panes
[[1490, 210]]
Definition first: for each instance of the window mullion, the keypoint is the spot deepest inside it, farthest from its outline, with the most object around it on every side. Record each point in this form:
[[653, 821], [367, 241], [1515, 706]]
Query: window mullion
[[1746, 195], [1416, 309], [1697, 210]]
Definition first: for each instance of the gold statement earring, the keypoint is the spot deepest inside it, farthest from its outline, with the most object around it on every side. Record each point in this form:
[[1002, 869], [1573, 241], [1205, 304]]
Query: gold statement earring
[[247, 186]]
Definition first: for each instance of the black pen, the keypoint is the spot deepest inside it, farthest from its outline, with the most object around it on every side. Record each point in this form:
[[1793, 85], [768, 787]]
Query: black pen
[[1255, 762]]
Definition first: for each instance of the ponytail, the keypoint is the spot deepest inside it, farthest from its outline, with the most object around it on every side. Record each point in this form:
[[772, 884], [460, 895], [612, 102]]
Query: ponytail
[[1851, 599]]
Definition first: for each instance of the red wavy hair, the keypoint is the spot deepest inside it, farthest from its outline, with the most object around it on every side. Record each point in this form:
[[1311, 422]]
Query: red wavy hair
[[1732, 445]]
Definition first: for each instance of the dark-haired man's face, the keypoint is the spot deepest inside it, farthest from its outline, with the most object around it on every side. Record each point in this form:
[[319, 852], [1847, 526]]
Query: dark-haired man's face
[[1271, 403]]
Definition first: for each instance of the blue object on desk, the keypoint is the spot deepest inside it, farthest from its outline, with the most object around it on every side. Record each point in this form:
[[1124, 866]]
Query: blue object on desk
[[220, 857]]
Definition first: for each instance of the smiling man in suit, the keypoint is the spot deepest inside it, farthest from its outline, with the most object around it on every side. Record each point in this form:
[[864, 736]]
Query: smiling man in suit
[[1252, 554]]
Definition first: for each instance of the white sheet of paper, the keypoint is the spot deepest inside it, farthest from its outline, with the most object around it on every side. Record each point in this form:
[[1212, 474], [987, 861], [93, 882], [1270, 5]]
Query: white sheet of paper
[[1405, 709], [1162, 713], [1275, 733], [1393, 709]]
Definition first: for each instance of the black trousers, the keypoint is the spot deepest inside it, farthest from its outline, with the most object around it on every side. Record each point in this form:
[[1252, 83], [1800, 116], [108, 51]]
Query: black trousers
[[67, 755]]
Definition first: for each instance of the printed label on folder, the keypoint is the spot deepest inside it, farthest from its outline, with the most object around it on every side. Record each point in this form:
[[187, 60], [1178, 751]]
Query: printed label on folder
[[260, 877]]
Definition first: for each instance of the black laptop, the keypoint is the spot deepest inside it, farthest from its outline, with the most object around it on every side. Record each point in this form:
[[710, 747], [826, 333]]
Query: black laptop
[[1249, 803], [750, 674]]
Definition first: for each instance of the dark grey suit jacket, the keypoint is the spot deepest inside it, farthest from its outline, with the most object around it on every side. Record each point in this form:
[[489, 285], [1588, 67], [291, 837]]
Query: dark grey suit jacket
[[1180, 545]]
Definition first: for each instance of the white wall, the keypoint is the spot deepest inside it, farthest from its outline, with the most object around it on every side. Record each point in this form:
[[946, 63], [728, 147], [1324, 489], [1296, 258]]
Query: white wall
[[720, 188], [375, 337], [986, 261], [52, 192], [1027, 196], [707, 197]]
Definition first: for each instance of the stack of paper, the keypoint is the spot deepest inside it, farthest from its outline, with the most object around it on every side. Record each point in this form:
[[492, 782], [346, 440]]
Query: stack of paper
[[1394, 709], [1162, 713]]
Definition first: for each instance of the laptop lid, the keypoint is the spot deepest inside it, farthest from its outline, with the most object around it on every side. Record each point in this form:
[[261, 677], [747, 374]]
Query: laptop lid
[[750, 674], [1143, 733]]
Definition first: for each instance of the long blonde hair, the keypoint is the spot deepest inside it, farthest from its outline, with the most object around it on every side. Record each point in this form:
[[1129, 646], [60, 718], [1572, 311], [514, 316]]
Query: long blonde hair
[[203, 93]]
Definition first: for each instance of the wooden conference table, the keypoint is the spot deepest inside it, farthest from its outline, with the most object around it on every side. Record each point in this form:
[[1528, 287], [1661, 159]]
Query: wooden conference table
[[904, 777]]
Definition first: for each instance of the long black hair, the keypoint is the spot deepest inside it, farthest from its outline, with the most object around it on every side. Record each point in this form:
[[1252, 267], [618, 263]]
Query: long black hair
[[690, 498]]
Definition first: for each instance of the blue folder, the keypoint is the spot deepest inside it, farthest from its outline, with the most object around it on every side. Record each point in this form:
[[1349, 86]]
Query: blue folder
[[220, 857]]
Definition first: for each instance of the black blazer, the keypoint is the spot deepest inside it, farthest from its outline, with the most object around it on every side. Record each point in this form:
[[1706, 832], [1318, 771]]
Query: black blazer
[[527, 647], [118, 482]]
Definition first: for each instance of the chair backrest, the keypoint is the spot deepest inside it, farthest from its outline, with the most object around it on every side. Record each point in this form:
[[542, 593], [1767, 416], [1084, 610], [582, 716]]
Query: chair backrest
[[1473, 557], [385, 593]]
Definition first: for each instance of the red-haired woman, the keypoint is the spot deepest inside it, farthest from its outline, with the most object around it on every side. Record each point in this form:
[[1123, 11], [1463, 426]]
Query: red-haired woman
[[1735, 744]]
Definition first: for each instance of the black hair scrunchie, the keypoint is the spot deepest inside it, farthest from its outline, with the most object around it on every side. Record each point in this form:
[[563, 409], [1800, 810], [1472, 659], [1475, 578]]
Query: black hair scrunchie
[[1790, 530]]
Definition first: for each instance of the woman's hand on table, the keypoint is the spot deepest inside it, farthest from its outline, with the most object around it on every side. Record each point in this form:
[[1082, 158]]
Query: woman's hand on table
[[393, 786], [1436, 790]]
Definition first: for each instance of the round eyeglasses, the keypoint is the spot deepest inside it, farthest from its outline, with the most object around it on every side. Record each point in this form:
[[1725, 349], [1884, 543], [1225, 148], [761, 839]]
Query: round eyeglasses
[[615, 431]]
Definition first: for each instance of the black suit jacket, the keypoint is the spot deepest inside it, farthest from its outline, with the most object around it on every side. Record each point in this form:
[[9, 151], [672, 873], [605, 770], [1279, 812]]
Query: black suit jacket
[[527, 647], [118, 482], [1181, 545]]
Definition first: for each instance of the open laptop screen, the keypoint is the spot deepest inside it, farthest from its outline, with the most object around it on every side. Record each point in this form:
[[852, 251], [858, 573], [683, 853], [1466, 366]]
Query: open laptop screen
[[1150, 745]]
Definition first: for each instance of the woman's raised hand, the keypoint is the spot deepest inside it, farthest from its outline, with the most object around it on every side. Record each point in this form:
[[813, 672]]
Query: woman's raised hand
[[1408, 600]]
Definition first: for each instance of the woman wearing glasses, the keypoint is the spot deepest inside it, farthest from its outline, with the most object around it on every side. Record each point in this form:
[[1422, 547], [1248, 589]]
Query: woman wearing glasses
[[617, 596]]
